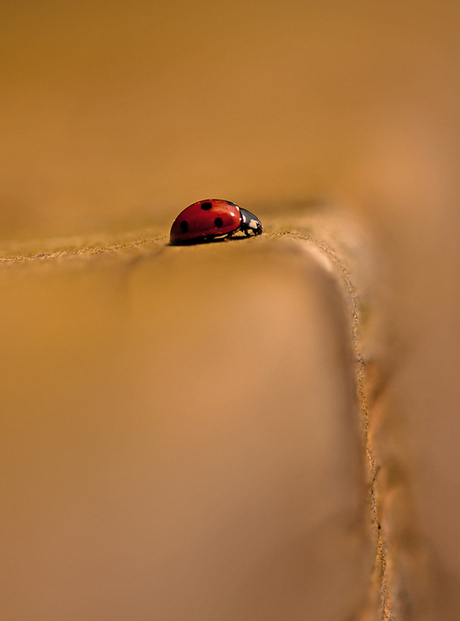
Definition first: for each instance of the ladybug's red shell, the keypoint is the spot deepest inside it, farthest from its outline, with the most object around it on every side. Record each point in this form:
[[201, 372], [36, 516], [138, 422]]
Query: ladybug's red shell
[[206, 219]]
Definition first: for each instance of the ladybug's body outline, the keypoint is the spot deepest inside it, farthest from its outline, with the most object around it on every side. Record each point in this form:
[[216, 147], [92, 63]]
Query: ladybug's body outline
[[212, 218]]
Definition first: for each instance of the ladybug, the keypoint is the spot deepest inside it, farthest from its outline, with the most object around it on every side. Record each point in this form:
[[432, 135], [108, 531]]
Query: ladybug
[[210, 218]]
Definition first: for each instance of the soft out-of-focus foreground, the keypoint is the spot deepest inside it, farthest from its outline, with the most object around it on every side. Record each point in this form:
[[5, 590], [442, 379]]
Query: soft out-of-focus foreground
[[261, 429]]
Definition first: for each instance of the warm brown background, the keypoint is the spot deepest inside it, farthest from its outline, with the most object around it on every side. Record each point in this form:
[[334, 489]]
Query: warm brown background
[[116, 116], [113, 112]]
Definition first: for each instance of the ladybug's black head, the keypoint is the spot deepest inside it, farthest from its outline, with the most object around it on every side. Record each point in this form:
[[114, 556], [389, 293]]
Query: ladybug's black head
[[250, 223]]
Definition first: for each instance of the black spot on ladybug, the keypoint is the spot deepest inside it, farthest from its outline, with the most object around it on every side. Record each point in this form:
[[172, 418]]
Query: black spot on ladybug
[[184, 226], [219, 223], [206, 206]]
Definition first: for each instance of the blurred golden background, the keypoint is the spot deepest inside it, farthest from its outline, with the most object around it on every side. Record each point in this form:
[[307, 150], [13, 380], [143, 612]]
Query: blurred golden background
[[114, 113]]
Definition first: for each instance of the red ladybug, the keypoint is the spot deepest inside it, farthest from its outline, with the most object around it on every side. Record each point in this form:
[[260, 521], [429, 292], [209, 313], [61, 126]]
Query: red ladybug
[[205, 220]]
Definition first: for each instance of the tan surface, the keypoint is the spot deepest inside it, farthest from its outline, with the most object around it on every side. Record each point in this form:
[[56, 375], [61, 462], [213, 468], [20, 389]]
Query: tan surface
[[181, 436]]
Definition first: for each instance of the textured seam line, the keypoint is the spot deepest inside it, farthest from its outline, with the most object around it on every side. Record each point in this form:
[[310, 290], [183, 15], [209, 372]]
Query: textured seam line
[[79, 251], [381, 548]]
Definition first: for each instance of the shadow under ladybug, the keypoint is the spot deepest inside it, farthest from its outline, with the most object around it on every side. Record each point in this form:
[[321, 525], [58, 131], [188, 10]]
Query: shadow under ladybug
[[213, 220]]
